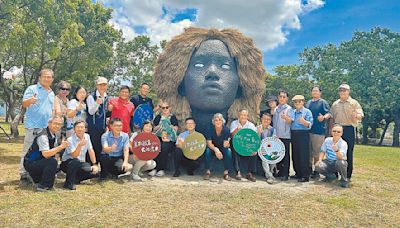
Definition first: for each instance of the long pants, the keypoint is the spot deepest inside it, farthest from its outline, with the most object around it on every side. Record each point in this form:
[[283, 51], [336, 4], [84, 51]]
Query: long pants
[[238, 161], [76, 171], [30, 135], [161, 159], [349, 136], [111, 165], [95, 138], [227, 158], [327, 168], [284, 165], [42, 171], [301, 152], [268, 169], [139, 165], [180, 159]]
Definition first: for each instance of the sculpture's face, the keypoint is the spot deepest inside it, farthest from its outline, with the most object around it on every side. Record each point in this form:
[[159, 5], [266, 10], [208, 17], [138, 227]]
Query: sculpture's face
[[211, 81]]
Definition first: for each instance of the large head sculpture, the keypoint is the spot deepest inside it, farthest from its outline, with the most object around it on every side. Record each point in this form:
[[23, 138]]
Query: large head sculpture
[[206, 71]]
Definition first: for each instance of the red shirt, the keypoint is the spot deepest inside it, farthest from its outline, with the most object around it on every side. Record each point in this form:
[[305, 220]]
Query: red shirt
[[122, 109]]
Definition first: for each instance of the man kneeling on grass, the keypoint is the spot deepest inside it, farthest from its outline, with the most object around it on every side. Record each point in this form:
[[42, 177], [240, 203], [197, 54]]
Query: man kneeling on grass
[[115, 154], [335, 149], [39, 160], [74, 158]]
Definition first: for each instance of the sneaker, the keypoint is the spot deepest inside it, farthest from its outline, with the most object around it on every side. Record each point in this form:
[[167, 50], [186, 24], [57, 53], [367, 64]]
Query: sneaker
[[40, 188], [238, 176], [284, 178], [206, 176], [177, 173], [344, 184], [152, 173], [270, 180], [315, 175], [60, 174], [329, 178], [160, 173], [136, 177], [303, 179], [25, 181], [69, 186]]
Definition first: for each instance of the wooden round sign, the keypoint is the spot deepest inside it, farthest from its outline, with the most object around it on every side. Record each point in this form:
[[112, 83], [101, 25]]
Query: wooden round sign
[[246, 142], [194, 146], [146, 146]]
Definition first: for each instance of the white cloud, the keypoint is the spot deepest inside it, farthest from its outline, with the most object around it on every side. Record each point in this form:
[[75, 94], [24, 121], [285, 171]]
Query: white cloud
[[266, 21]]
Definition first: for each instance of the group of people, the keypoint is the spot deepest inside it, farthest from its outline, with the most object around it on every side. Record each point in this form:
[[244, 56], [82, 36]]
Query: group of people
[[91, 135]]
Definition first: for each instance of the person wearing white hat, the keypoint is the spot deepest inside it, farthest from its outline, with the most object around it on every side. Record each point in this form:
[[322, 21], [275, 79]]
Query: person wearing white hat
[[97, 113], [301, 120], [347, 112]]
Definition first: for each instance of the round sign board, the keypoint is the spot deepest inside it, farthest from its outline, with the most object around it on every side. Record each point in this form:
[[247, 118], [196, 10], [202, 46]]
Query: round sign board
[[246, 142], [194, 146], [272, 150], [142, 113], [146, 146]]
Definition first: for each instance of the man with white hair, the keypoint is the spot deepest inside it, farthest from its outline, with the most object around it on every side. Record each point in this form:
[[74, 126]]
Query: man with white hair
[[97, 114]]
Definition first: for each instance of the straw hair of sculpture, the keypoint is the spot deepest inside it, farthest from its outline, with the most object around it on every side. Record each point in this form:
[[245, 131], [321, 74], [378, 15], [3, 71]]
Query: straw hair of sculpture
[[173, 62]]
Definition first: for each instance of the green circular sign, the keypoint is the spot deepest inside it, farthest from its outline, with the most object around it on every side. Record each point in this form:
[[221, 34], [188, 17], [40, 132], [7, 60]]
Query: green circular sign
[[246, 142], [194, 146]]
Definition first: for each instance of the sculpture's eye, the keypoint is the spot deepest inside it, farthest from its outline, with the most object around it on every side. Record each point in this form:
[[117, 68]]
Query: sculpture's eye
[[200, 65], [226, 66]]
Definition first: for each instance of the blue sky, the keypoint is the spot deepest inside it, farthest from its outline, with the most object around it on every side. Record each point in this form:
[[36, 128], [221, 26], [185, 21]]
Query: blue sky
[[333, 23], [280, 28]]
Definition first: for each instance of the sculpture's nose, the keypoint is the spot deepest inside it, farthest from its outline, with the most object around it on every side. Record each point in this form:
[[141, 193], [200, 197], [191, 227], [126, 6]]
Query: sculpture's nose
[[212, 73]]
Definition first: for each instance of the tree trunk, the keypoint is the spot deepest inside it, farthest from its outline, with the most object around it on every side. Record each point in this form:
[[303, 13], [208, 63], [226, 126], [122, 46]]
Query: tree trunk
[[15, 122], [384, 132], [396, 129], [365, 131]]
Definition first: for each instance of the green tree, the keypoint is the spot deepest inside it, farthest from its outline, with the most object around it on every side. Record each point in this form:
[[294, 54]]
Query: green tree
[[72, 37], [133, 62], [369, 63]]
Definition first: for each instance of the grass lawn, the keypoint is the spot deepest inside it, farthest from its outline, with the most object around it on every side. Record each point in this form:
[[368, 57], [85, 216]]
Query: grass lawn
[[373, 199]]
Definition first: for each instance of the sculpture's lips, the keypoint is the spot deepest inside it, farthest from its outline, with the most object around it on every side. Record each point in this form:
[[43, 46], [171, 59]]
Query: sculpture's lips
[[211, 86]]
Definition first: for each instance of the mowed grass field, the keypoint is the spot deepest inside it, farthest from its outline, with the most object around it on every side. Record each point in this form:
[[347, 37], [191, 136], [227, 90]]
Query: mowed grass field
[[373, 199]]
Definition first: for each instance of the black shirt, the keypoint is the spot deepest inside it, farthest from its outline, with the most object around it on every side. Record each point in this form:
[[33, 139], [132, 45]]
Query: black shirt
[[218, 140], [138, 100], [173, 119]]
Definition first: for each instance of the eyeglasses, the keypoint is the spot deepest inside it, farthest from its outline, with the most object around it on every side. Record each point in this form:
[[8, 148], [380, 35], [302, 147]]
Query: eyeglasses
[[165, 107], [117, 125], [336, 131], [65, 89], [297, 102]]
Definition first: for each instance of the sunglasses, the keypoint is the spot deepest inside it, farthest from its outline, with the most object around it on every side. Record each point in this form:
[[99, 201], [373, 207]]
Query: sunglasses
[[64, 89], [165, 107], [336, 131]]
